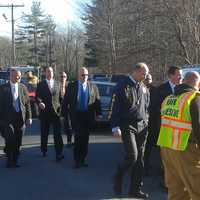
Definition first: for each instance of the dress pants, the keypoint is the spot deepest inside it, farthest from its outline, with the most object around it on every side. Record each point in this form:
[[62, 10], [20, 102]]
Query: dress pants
[[45, 122], [13, 140], [68, 129], [134, 146], [81, 137]]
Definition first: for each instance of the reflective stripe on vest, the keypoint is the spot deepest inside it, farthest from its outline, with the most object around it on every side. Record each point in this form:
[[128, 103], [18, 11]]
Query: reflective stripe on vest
[[176, 124]]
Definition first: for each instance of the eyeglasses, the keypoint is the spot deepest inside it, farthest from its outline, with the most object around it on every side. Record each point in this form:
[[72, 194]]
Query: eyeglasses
[[84, 75], [63, 76]]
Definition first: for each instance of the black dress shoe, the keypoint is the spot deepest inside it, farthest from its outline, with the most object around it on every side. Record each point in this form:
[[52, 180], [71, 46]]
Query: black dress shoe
[[44, 154], [76, 166], [117, 185], [139, 194], [12, 165], [59, 158], [84, 164]]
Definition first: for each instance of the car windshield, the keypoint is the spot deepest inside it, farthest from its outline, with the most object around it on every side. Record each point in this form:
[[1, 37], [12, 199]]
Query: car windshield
[[105, 90]]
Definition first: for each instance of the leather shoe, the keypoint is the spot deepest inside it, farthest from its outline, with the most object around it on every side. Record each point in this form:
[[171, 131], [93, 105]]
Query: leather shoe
[[59, 158], [44, 154], [12, 165], [117, 185], [76, 166], [84, 164], [139, 194]]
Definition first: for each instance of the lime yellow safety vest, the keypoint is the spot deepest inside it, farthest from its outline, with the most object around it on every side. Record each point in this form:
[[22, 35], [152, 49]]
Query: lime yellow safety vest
[[176, 123]]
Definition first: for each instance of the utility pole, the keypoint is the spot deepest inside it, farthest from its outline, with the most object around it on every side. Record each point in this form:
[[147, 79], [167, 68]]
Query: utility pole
[[12, 6]]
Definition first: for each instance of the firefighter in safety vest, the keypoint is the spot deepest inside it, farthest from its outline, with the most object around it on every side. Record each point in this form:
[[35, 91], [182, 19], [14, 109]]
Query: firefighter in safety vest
[[179, 139]]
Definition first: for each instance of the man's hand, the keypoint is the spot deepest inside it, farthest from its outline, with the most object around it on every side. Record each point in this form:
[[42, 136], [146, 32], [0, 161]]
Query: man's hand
[[117, 133], [42, 106], [28, 122]]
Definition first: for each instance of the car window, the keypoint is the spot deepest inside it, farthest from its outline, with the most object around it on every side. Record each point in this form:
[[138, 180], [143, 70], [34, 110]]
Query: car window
[[105, 90]]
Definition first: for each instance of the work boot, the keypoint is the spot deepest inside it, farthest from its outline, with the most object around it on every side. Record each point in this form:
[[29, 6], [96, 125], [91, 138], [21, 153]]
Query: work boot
[[139, 195], [117, 184]]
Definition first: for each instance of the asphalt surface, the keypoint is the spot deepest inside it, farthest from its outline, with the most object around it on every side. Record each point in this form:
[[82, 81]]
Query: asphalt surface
[[41, 178]]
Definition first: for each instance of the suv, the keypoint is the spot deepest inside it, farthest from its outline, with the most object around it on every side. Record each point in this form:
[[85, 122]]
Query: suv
[[105, 91], [188, 68]]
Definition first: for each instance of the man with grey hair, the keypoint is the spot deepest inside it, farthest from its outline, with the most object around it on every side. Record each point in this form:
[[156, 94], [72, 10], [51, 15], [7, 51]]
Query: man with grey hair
[[129, 120], [179, 139]]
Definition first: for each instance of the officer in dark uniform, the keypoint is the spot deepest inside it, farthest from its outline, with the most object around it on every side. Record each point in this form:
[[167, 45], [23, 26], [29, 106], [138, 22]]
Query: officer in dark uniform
[[129, 119]]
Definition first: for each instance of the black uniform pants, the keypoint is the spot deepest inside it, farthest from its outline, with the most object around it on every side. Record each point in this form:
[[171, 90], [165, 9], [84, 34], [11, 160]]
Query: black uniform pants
[[45, 122], [134, 146], [81, 137]]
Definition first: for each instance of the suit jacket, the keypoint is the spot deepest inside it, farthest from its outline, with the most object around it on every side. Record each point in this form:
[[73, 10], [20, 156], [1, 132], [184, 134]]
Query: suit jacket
[[164, 90], [6, 103], [70, 102], [51, 99]]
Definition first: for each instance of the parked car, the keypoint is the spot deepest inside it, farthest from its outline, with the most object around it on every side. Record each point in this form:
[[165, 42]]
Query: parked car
[[191, 68], [105, 91]]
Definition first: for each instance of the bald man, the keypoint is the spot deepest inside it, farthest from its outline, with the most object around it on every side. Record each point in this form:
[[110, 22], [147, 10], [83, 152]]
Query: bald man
[[179, 139], [129, 120], [15, 112], [82, 102]]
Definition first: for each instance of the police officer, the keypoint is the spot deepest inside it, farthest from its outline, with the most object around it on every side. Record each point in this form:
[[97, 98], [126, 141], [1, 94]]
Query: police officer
[[129, 120], [179, 139]]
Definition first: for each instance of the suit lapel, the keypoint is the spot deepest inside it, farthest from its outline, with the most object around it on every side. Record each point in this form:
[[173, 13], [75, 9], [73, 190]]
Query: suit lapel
[[89, 91], [170, 91], [76, 86], [46, 87], [10, 93]]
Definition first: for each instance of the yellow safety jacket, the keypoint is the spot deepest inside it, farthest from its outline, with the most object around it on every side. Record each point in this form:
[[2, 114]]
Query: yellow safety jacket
[[176, 123]]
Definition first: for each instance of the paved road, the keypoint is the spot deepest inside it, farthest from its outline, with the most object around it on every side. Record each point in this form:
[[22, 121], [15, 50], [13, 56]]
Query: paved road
[[41, 178]]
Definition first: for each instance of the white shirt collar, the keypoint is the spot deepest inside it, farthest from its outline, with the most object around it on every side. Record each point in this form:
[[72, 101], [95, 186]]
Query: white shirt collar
[[172, 85]]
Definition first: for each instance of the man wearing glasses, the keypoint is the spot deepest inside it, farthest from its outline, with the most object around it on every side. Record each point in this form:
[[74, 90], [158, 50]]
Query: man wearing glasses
[[82, 102]]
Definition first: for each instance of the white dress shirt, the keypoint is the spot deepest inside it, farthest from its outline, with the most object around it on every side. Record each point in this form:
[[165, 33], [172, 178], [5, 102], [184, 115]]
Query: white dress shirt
[[14, 90], [50, 83]]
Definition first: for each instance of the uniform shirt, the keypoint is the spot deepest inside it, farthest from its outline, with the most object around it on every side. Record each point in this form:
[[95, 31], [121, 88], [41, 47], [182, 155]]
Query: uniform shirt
[[128, 104]]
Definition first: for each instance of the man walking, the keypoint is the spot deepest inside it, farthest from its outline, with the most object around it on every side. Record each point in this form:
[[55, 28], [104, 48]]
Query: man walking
[[48, 99], [82, 102], [15, 112], [129, 120]]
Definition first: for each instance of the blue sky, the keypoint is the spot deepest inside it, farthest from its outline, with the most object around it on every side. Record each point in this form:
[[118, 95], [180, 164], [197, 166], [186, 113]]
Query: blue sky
[[62, 11]]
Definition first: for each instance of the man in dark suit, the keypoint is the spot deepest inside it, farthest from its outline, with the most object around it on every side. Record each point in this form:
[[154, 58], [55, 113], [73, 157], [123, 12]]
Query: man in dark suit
[[15, 112], [153, 110], [129, 120], [165, 89], [174, 78], [174, 74], [82, 102], [48, 99]]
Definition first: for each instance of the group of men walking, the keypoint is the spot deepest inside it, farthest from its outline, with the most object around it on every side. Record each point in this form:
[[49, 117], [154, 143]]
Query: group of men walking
[[170, 114], [80, 100]]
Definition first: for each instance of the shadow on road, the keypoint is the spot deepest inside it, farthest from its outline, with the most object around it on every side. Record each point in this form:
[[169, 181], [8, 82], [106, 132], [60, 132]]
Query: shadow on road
[[42, 178]]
